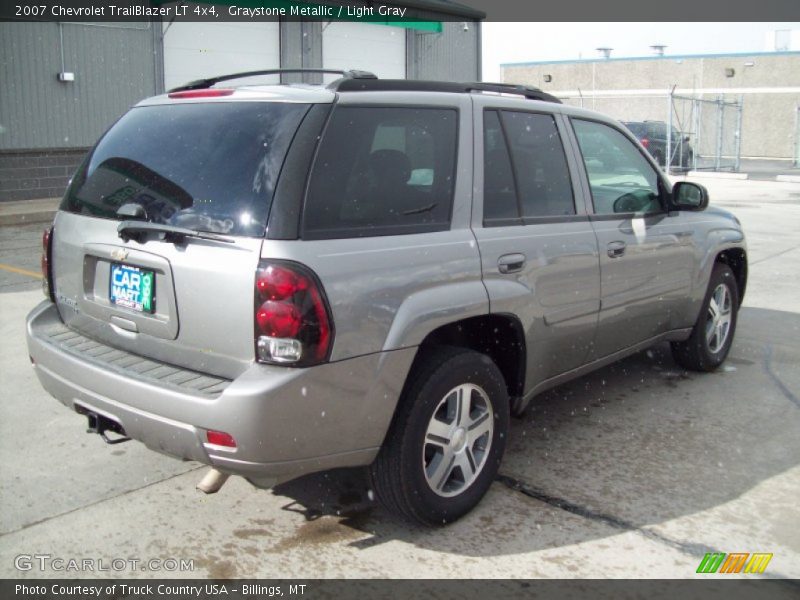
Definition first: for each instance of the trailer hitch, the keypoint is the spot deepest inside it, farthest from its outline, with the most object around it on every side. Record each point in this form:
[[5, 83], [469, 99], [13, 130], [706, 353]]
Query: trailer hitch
[[101, 425]]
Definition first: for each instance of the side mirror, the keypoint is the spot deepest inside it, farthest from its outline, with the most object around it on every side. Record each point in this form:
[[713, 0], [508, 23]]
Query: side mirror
[[689, 196]]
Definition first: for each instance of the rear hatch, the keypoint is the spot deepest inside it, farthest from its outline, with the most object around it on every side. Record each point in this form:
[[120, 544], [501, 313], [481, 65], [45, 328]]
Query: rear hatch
[[190, 182]]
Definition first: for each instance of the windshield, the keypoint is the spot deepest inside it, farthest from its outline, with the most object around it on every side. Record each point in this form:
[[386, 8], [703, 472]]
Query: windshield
[[205, 166]]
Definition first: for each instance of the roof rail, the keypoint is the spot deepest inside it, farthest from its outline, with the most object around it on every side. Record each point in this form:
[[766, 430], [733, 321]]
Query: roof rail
[[530, 92], [211, 81], [408, 85]]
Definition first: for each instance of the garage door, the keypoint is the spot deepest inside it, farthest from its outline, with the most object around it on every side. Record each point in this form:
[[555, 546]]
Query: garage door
[[377, 48], [197, 50]]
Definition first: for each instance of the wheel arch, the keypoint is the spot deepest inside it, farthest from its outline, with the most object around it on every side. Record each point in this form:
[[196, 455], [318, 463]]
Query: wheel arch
[[736, 260], [499, 336]]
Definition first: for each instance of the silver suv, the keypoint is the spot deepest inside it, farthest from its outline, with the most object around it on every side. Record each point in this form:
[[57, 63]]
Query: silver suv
[[280, 279]]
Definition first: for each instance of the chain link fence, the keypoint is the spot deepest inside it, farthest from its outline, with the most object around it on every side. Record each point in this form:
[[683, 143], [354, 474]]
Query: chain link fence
[[693, 133], [796, 162]]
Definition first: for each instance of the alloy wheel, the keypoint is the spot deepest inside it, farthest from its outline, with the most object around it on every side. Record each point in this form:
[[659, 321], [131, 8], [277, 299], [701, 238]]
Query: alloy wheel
[[718, 322], [458, 440]]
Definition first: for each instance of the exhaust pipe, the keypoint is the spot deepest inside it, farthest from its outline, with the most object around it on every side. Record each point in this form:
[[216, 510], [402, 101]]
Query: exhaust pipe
[[213, 481]]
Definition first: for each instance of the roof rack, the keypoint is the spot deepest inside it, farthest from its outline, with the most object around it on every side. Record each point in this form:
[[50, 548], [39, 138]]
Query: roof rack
[[211, 81], [529, 92], [408, 85]]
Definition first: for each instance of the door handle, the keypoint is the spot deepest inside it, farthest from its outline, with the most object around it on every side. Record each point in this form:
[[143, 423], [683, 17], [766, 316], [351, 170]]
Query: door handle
[[616, 249], [511, 263]]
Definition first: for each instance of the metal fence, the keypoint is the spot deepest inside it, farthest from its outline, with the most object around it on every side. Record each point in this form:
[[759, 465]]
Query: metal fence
[[796, 162], [706, 132]]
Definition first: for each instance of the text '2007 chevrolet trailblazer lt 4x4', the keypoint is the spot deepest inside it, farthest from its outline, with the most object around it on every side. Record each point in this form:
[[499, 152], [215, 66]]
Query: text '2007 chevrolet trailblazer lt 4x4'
[[282, 279]]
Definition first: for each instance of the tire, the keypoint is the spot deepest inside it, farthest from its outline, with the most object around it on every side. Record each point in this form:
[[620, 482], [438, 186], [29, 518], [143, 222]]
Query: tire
[[709, 344], [419, 473]]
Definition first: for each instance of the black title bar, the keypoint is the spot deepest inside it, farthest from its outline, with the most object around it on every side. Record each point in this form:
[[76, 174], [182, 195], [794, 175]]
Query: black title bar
[[401, 10]]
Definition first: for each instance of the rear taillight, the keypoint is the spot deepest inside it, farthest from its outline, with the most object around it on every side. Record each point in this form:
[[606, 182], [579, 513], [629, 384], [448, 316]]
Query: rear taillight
[[292, 320], [645, 142], [47, 259]]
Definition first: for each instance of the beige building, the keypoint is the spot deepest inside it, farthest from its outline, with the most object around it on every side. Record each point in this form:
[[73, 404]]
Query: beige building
[[768, 85]]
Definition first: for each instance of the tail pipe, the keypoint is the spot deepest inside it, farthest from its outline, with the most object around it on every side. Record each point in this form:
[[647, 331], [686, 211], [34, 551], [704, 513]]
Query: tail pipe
[[213, 481]]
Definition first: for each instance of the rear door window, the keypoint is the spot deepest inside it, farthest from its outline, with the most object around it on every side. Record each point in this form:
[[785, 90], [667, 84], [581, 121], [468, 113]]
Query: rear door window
[[500, 202], [526, 175], [543, 180], [205, 166], [383, 171]]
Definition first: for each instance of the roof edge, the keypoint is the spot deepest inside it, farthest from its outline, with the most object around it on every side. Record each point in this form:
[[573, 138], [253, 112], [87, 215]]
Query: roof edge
[[665, 57]]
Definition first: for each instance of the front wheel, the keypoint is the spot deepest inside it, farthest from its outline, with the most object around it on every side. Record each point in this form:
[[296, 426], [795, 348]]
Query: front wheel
[[712, 335], [445, 444]]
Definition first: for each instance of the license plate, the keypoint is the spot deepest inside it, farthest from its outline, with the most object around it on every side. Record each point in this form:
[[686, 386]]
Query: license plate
[[132, 288]]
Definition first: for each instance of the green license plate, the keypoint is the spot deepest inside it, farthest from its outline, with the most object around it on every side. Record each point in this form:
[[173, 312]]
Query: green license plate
[[132, 288]]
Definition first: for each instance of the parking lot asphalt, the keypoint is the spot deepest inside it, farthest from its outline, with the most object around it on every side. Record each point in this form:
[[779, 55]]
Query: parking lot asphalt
[[635, 471]]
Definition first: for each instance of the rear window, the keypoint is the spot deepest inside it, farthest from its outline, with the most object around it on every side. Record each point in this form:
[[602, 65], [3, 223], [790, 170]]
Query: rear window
[[382, 171], [637, 129], [658, 130], [205, 166]]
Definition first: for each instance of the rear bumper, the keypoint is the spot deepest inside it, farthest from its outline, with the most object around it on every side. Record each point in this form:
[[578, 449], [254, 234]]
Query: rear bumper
[[286, 422]]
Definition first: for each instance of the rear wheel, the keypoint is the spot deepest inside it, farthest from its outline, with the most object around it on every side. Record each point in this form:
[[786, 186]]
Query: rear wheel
[[712, 335], [444, 447]]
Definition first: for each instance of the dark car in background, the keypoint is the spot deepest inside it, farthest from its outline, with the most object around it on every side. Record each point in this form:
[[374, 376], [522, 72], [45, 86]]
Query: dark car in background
[[653, 136]]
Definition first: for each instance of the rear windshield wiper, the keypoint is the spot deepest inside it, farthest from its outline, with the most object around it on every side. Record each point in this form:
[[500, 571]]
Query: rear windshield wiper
[[137, 230]]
